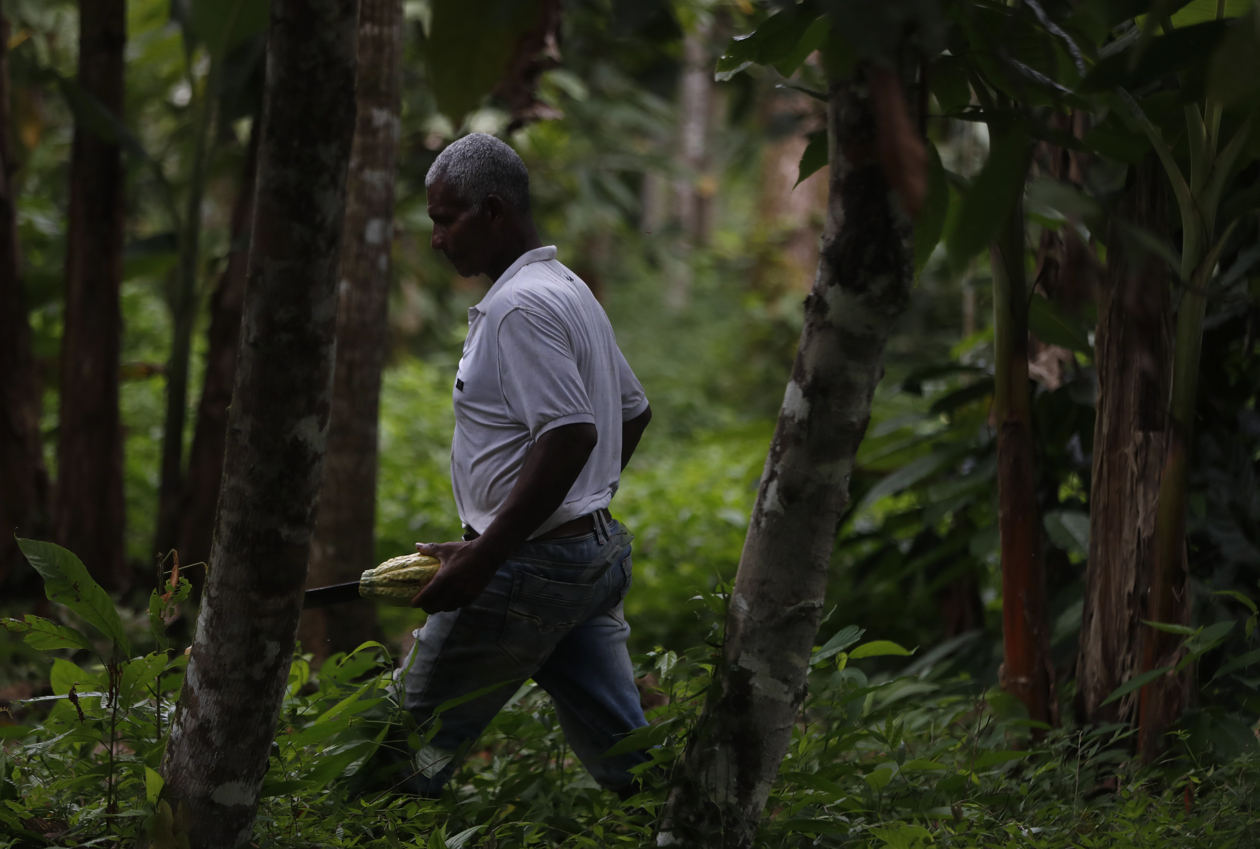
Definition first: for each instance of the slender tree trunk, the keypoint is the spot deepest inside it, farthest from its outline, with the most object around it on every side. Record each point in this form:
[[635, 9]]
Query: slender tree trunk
[[1133, 348], [89, 495], [23, 476], [205, 458], [695, 96], [345, 539], [183, 304], [862, 286], [1027, 672], [217, 754]]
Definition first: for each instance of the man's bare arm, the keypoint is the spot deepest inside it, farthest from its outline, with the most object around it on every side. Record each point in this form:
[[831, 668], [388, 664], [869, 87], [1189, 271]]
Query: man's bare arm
[[550, 470], [631, 432]]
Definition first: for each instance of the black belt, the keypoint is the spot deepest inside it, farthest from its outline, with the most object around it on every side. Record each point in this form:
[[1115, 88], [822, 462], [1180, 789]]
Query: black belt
[[574, 527]]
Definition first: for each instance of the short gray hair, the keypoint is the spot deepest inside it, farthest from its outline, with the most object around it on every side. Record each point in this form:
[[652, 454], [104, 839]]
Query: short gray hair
[[479, 165]]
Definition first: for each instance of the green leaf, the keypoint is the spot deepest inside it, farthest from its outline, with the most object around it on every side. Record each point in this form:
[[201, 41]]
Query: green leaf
[[947, 78], [921, 765], [468, 48], [1055, 327], [814, 157], [1208, 638], [814, 826], [843, 638], [879, 648], [1068, 530], [1185, 49], [915, 472], [1170, 628], [931, 221], [48, 636], [812, 39], [137, 675], [991, 759], [66, 581], [778, 41], [153, 784], [642, 738], [992, 194], [14, 732], [1239, 662], [1136, 682], [1234, 75], [222, 24], [1238, 597], [64, 675]]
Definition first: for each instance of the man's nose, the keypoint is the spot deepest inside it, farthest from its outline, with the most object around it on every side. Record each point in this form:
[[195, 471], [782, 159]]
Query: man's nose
[[438, 241]]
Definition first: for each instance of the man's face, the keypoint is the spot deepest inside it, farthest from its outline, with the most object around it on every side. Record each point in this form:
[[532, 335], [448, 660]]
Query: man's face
[[462, 235]]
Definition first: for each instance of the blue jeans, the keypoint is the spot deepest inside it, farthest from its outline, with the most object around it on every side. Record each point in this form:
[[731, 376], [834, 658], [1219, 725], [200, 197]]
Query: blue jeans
[[552, 613]]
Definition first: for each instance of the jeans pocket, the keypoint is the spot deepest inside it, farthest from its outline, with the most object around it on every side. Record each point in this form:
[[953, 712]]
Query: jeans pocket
[[540, 612]]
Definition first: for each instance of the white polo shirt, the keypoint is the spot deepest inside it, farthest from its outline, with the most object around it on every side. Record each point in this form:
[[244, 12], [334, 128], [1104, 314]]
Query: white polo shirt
[[540, 354]]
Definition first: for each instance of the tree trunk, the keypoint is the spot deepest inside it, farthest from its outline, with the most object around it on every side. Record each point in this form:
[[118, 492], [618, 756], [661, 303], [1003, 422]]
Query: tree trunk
[[89, 494], [862, 286], [695, 97], [205, 458], [23, 476], [1027, 672], [217, 754], [345, 540], [1132, 350], [183, 306]]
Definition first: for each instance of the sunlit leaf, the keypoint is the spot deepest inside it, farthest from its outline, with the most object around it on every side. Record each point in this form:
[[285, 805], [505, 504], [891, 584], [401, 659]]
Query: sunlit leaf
[[879, 648]]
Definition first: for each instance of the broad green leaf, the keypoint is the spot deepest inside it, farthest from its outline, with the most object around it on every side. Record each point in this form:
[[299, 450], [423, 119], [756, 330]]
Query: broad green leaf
[[66, 581], [879, 648], [816, 782], [843, 638], [222, 24], [947, 77], [48, 636], [902, 835], [468, 48], [14, 732], [992, 759], [65, 675], [1234, 76], [1185, 49], [921, 765], [991, 196], [642, 738], [777, 41], [138, 675], [814, 157], [931, 221], [1240, 662], [1055, 327], [1068, 530], [915, 472], [1198, 11], [812, 39], [1136, 682], [153, 784], [1208, 638]]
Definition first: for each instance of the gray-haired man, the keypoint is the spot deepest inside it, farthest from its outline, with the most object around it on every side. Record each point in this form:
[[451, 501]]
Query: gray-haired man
[[547, 415]]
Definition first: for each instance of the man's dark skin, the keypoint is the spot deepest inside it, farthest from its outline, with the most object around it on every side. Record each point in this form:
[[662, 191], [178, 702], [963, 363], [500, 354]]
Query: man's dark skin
[[487, 241]]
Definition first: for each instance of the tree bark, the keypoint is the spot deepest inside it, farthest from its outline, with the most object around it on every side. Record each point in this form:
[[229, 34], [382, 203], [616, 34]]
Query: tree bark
[[1132, 350], [205, 458], [695, 97], [216, 757], [1027, 672], [345, 540], [89, 495], [23, 476], [862, 286]]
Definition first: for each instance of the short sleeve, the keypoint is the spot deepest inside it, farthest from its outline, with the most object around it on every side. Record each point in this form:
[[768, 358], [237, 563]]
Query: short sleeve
[[633, 399], [538, 374]]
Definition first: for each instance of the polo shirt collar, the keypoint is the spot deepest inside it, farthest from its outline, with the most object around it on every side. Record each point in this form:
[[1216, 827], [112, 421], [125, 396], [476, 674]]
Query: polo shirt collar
[[536, 255]]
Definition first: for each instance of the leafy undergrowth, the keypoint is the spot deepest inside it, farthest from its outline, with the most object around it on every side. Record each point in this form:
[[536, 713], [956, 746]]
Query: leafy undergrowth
[[914, 758]]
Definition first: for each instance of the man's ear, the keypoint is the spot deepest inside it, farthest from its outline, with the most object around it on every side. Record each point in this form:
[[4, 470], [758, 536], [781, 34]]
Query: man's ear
[[495, 207]]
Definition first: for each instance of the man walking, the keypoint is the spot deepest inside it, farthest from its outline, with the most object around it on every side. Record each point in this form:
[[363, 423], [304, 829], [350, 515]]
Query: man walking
[[547, 414]]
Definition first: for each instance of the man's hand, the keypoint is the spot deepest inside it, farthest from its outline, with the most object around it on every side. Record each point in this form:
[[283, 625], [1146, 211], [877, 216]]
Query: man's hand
[[466, 571]]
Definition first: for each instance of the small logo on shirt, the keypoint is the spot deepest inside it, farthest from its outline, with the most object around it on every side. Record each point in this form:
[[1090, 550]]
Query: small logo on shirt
[[459, 384]]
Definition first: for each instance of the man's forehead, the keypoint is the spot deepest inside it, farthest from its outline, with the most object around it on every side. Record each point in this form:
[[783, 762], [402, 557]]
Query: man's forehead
[[441, 196]]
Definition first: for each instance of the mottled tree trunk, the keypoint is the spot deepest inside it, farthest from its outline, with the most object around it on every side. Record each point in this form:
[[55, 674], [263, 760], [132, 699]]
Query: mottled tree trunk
[[205, 458], [344, 543], [23, 477], [1132, 350], [89, 495], [695, 97], [217, 754], [1027, 672], [862, 286]]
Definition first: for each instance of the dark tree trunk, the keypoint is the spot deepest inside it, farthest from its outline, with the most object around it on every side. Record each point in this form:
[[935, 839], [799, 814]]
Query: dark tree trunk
[[345, 537], [1132, 350], [23, 477], [1027, 672], [277, 431], [205, 459], [862, 286], [89, 494]]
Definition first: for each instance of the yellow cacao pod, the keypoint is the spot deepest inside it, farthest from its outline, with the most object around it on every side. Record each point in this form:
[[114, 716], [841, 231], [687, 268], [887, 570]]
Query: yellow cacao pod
[[396, 581]]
